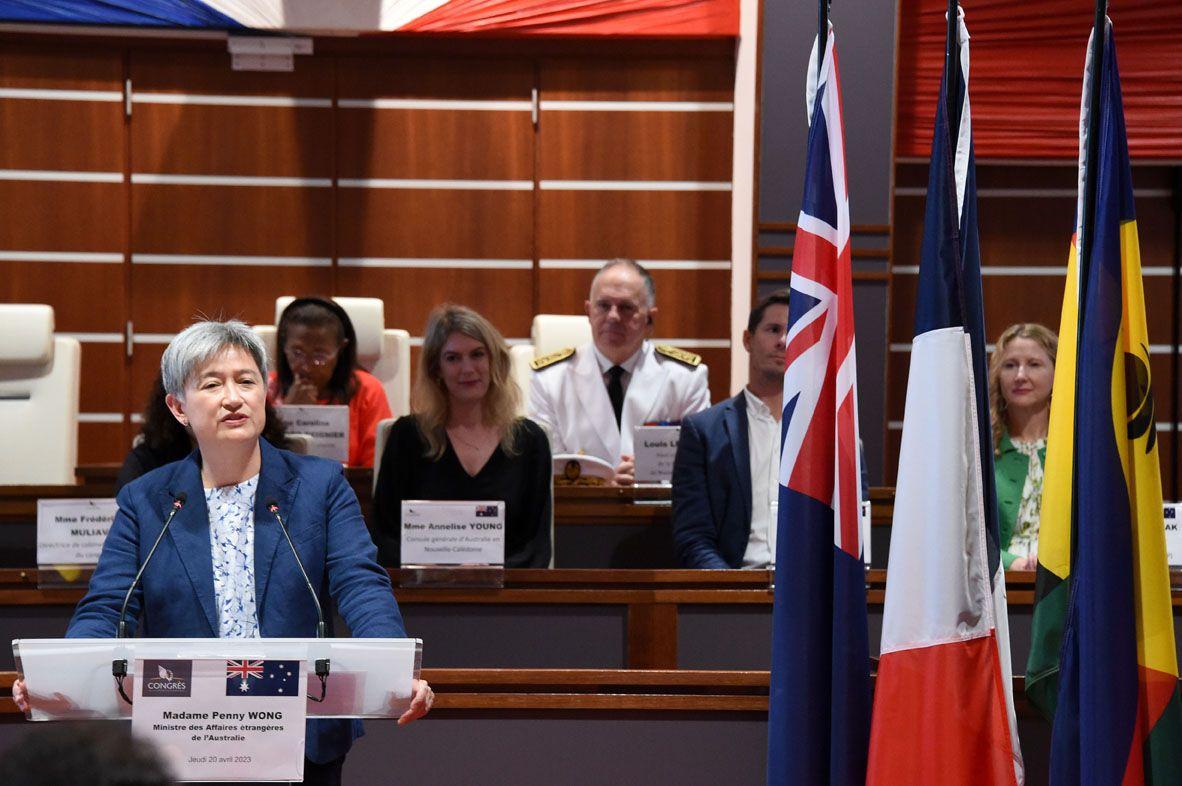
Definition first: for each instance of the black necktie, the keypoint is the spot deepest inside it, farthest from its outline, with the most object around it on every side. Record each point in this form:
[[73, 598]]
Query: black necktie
[[615, 390]]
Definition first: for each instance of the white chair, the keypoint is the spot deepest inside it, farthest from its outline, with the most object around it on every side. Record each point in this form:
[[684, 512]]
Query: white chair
[[552, 332], [379, 447], [383, 352], [39, 389], [548, 333]]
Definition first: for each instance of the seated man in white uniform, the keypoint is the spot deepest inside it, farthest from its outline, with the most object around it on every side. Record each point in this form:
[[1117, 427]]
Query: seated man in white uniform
[[589, 399]]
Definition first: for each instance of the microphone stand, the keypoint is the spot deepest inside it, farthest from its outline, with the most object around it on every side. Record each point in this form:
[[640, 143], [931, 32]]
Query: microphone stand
[[119, 665], [322, 664]]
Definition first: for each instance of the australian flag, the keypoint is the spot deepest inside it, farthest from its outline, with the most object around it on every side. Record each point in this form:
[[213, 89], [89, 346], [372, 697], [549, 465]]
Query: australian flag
[[262, 678], [819, 720]]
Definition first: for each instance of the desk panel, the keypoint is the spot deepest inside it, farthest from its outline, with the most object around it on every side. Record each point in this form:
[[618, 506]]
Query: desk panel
[[519, 636]]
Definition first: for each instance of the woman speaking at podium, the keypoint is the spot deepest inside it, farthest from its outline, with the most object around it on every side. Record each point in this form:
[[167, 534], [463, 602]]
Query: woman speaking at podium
[[224, 569]]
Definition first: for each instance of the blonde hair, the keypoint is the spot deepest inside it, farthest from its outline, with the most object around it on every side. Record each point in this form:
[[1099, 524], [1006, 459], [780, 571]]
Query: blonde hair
[[432, 405], [1044, 337]]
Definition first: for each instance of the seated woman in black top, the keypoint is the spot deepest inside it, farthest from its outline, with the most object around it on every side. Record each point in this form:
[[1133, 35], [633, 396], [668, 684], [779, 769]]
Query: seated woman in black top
[[465, 441]]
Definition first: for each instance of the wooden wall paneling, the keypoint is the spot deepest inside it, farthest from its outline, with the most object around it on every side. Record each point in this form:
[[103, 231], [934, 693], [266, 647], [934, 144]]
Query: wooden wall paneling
[[648, 145], [63, 198], [57, 67], [193, 115], [231, 220], [145, 365], [502, 296], [70, 287], [232, 193], [412, 226], [691, 225], [102, 443], [62, 216], [435, 118], [284, 141], [176, 70], [673, 78], [101, 360], [663, 126], [168, 298]]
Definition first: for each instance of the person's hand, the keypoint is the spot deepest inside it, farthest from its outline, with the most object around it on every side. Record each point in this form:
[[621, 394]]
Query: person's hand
[[626, 471], [301, 392], [1025, 563], [20, 695], [420, 705]]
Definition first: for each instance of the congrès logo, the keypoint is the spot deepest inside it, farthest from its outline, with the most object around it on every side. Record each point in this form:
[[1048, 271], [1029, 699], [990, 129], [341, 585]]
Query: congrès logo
[[167, 678]]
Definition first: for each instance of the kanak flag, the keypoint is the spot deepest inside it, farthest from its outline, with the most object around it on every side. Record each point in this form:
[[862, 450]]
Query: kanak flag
[[943, 704], [1102, 659], [819, 718]]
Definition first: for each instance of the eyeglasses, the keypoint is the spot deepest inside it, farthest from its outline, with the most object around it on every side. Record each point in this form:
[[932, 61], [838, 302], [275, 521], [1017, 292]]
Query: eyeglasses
[[315, 359], [625, 309]]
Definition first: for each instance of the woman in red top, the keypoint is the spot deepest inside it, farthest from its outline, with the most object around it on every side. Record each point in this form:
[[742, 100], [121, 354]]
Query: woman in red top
[[317, 364]]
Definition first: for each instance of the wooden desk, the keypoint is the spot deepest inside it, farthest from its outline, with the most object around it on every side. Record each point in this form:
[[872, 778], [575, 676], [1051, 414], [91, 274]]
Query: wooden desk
[[594, 527], [572, 619]]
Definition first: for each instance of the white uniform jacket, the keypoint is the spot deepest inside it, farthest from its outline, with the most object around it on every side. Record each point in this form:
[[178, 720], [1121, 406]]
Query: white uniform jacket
[[569, 399]]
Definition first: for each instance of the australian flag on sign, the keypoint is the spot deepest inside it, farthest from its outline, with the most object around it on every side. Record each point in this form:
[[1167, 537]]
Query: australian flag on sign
[[262, 678]]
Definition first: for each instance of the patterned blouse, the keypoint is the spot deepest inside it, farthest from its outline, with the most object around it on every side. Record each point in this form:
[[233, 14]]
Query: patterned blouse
[[231, 538], [1025, 539]]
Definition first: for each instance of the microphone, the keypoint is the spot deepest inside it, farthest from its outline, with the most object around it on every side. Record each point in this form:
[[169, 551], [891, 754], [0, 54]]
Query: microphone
[[322, 664], [119, 667]]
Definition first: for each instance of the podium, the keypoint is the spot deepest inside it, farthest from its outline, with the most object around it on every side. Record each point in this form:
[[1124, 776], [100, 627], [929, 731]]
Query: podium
[[70, 679], [222, 689]]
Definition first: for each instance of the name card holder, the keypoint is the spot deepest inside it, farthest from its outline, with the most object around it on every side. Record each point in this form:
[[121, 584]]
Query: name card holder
[[326, 424], [70, 535], [655, 447], [1173, 519], [453, 543]]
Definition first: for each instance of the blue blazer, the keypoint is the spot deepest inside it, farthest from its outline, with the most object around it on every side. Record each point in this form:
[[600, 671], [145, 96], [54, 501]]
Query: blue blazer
[[712, 487], [176, 595]]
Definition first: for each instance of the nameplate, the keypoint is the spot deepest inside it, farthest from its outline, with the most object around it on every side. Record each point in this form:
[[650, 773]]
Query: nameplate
[[453, 532], [1173, 515], [654, 448], [327, 424], [72, 531], [223, 720]]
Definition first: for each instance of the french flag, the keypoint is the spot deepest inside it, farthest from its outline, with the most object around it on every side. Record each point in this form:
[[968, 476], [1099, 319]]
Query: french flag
[[943, 702], [819, 714]]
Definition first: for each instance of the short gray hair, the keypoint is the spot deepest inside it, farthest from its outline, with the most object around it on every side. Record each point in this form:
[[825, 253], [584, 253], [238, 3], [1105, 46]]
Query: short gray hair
[[200, 342], [650, 289]]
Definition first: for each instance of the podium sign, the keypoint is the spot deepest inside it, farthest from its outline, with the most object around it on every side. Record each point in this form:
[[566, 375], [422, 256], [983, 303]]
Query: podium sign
[[223, 720], [655, 448], [327, 424]]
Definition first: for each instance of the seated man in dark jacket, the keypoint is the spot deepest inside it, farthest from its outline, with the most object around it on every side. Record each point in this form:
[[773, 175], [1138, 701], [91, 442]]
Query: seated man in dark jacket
[[726, 473]]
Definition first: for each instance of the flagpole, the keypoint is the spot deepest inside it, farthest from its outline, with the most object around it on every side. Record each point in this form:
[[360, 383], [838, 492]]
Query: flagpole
[[1087, 232], [951, 69], [822, 34]]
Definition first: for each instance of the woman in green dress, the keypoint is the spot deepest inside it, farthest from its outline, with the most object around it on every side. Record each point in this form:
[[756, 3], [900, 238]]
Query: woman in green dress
[[1021, 372]]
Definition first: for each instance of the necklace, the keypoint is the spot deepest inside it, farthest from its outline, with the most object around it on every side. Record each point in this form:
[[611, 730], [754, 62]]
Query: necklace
[[454, 434]]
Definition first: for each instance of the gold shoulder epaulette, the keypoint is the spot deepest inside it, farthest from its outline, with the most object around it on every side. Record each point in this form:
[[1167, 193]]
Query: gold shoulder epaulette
[[537, 364], [680, 355]]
